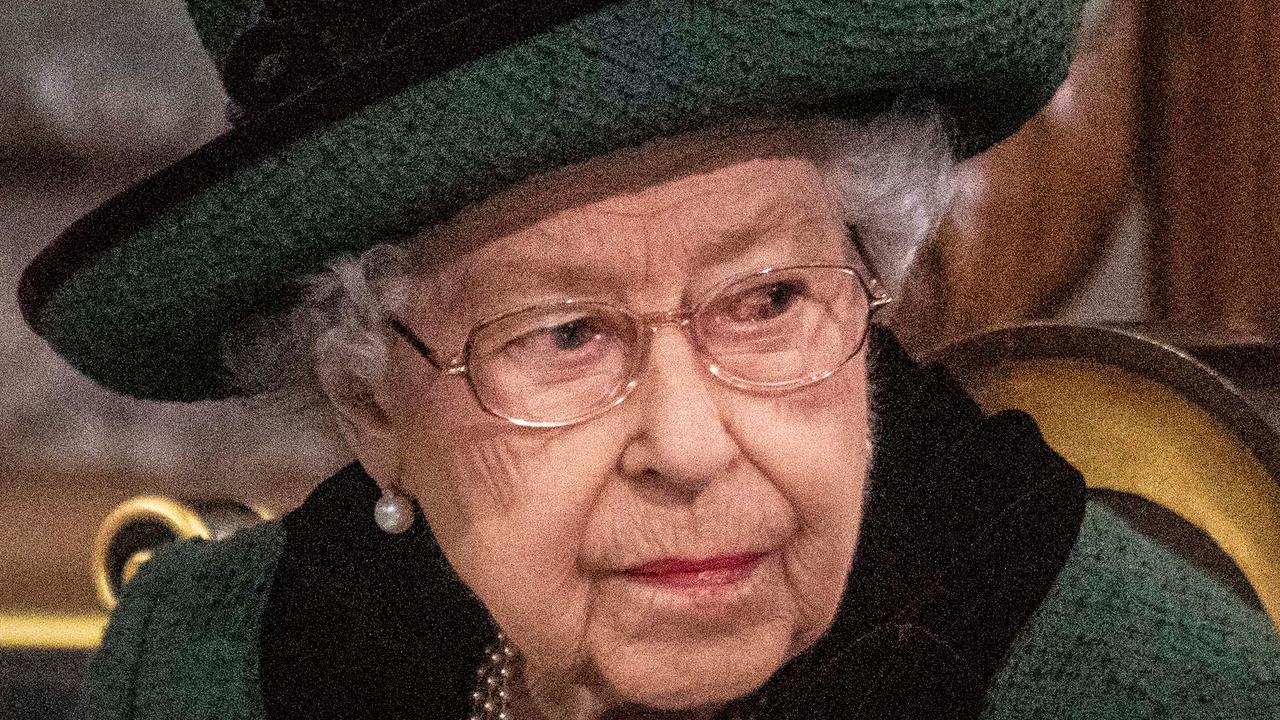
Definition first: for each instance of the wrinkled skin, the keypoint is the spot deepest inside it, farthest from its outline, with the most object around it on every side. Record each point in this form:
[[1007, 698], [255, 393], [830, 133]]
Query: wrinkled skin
[[540, 522]]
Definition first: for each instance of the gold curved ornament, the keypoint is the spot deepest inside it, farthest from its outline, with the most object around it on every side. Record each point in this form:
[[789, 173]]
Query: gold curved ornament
[[134, 564], [153, 514], [135, 529]]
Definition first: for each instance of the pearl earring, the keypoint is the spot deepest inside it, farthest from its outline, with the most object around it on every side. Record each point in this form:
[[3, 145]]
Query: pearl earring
[[393, 512]]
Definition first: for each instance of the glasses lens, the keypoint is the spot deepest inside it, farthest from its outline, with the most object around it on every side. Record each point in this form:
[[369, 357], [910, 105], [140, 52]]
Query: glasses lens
[[553, 364], [784, 327]]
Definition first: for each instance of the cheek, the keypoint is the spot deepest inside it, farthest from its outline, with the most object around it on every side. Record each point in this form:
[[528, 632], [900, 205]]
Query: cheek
[[508, 507], [814, 447], [814, 443]]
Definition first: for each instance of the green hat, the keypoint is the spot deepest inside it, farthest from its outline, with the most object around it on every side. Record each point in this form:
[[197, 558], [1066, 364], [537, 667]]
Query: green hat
[[357, 122]]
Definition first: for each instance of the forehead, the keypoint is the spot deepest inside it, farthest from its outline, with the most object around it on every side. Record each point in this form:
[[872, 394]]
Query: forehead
[[662, 211]]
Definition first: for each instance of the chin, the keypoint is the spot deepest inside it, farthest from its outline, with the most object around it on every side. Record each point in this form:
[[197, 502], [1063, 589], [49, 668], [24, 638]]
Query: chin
[[684, 675]]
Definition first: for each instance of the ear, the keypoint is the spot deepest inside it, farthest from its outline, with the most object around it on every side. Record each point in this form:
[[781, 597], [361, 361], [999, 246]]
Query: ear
[[363, 416]]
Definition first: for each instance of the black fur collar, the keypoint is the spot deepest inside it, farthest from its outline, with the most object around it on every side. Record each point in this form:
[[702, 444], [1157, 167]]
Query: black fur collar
[[969, 520]]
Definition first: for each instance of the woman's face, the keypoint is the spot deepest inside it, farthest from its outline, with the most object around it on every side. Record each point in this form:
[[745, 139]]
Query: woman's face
[[545, 524]]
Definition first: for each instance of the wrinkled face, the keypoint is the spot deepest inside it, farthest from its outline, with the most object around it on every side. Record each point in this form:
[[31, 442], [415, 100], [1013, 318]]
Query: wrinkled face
[[547, 526]]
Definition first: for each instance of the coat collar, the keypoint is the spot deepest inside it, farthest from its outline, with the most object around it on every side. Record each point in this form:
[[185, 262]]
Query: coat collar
[[969, 519]]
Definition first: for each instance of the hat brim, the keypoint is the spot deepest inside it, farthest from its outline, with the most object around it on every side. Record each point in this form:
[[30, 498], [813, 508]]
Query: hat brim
[[139, 294]]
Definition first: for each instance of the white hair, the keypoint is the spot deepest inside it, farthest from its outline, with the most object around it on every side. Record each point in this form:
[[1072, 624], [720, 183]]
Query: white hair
[[891, 176]]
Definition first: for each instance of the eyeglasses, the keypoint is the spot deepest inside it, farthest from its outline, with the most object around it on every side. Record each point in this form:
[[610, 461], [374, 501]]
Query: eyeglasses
[[767, 331]]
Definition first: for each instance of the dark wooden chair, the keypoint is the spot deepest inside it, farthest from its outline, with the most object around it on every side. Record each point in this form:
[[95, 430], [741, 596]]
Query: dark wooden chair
[[1178, 433]]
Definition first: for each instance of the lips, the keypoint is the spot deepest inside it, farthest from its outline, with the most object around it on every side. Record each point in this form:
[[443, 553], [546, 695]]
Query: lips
[[717, 570]]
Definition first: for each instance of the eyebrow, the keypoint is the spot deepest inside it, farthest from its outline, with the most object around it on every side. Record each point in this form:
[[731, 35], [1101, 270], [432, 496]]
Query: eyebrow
[[775, 215]]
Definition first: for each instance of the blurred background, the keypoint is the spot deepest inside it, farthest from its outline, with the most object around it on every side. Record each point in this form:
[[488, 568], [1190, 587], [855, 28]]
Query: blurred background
[[94, 96], [1145, 193]]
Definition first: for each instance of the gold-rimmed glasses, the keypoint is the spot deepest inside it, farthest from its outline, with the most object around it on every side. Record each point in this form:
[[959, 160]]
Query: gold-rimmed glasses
[[767, 331]]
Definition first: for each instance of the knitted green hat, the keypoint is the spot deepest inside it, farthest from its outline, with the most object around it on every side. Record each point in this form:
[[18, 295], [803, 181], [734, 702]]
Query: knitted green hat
[[357, 122]]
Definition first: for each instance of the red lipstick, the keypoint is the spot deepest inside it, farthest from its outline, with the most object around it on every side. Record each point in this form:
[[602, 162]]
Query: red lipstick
[[717, 570]]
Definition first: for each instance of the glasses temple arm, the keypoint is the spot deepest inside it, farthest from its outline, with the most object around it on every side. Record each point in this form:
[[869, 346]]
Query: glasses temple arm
[[413, 340], [867, 258]]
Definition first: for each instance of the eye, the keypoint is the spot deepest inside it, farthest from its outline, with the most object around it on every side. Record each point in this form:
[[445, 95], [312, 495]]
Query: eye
[[559, 341], [573, 335], [764, 302]]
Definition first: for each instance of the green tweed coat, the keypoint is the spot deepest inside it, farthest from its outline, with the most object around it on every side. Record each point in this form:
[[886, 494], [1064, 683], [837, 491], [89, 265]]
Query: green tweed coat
[[984, 586]]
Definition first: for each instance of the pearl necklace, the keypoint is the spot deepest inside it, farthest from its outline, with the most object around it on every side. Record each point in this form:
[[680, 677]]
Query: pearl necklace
[[492, 697]]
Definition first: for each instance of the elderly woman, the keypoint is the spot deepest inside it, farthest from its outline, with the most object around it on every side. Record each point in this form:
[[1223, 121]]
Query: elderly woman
[[587, 288]]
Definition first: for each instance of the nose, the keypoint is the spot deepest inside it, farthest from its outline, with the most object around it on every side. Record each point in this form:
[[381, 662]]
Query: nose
[[680, 437]]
